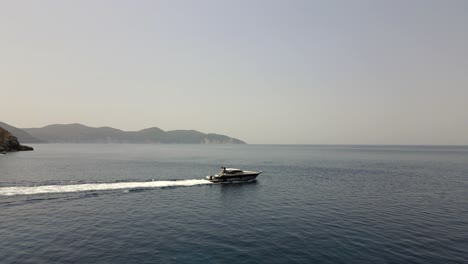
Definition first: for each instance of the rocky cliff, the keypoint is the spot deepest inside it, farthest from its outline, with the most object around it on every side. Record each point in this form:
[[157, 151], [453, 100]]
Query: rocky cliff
[[8, 142]]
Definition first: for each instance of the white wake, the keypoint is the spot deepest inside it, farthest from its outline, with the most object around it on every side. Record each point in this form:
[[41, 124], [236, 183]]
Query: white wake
[[28, 190]]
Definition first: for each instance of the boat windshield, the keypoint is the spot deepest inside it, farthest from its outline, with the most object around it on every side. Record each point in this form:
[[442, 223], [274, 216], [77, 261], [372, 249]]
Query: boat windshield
[[230, 171]]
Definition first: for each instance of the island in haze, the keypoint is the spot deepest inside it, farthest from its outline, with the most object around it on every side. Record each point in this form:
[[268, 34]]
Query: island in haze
[[78, 133]]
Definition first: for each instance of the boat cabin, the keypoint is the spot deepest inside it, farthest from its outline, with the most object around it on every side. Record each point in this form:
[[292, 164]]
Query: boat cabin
[[230, 171]]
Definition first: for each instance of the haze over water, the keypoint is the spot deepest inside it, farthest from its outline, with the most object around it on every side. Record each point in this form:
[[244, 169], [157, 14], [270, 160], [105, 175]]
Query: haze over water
[[312, 204], [263, 71]]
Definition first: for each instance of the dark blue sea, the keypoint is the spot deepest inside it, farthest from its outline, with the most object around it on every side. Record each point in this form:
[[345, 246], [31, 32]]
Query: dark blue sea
[[312, 204]]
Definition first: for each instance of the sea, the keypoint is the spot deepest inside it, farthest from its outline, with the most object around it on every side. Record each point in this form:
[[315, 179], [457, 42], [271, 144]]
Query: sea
[[88, 203]]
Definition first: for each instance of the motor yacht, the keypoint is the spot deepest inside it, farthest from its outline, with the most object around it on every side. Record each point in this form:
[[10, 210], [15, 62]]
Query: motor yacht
[[233, 175]]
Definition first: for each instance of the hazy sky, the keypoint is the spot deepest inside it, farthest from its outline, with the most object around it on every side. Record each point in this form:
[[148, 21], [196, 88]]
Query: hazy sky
[[312, 72]]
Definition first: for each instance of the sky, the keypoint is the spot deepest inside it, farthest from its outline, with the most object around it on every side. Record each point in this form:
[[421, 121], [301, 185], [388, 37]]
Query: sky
[[266, 72]]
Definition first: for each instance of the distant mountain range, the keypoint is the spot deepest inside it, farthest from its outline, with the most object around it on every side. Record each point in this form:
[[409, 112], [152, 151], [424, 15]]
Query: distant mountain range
[[23, 136], [78, 133]]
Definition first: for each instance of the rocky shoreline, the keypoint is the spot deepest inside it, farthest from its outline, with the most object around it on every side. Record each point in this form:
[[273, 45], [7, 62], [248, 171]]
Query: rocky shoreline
[[9, 143]]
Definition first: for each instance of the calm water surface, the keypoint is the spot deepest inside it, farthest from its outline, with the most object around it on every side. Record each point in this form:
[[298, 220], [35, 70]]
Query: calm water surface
[[312, 204]]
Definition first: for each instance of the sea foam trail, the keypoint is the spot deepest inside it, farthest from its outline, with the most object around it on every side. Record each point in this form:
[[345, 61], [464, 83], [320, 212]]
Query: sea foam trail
[[28, 190]]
